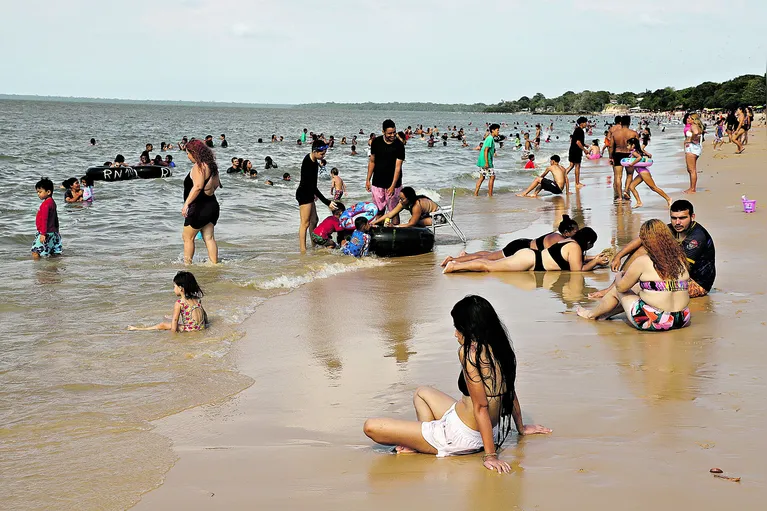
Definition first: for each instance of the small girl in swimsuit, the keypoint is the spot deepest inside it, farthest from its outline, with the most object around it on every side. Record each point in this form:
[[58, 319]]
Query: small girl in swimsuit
[[337, 185], [188, 314], [643, 173]]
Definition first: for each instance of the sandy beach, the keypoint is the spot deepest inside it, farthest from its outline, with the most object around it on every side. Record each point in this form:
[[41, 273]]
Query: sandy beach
[[638, 419]]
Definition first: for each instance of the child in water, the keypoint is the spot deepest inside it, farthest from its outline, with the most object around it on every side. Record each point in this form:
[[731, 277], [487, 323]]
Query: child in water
[[86, 183], [321, 234], [269, 163], [48, 240], [530, 161], [643, 173], [188, 314], [337, 186], [359, 242]]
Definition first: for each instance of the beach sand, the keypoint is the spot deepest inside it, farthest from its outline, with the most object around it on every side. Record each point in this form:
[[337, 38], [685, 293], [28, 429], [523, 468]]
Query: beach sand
[[638, 418]]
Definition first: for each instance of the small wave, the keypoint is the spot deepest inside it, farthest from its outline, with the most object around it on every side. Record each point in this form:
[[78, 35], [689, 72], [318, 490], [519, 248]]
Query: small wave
[[322, 272]]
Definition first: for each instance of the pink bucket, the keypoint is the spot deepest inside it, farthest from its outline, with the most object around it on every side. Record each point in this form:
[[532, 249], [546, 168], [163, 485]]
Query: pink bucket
[[749, 206]]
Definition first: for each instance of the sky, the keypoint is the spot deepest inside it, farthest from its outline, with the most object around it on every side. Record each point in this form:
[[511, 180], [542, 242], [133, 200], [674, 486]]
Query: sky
[[446, 51]]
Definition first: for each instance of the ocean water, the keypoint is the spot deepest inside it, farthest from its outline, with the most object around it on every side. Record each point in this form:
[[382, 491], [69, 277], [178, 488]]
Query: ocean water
[[77, 391]]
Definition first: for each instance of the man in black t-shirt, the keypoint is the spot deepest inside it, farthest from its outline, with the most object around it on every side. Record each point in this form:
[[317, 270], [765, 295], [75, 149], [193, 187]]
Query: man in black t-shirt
[[577, 149], [224, 143], [696, 242], [384, 177]]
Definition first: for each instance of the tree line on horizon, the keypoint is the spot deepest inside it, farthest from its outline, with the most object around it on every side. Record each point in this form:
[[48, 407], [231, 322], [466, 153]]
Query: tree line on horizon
[[743, 90]]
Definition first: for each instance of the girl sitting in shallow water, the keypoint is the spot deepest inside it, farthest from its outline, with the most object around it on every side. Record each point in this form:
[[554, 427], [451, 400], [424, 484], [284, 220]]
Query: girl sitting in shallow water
[[188, 314]]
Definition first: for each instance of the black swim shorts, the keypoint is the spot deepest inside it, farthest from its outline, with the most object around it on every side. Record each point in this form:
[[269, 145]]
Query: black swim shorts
[[550, 186]]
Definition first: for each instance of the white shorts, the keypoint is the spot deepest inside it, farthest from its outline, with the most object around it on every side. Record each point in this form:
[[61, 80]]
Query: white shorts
[[489, 172], [696, 149], [450, 436]]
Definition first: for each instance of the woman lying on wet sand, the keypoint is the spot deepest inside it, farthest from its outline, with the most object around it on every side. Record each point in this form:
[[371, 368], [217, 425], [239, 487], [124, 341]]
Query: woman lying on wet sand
[[481, 419], [653, 291], [567, 227], [567, 255]]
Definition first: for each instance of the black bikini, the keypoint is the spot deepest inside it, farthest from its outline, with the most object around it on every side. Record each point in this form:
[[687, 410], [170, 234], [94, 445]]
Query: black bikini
[[518, 244], [555, 251], [464, 390]]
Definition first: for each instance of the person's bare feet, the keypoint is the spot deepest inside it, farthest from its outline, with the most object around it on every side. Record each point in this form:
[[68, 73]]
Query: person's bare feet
[[597, 294], [583, 312], [449, 267], [447, 260], [401, 449], [639, 205], [579, 185], [670, 201], [132, 328], [689, 190], [521, 195]]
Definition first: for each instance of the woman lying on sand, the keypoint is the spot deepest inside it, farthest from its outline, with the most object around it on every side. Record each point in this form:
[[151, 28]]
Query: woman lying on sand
[[567, 227], [653, 291], [567, 255], [480, 420]]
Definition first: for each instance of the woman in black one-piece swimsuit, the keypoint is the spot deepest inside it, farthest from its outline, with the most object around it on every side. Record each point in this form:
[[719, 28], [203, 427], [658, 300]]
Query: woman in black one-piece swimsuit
[[200, 210]]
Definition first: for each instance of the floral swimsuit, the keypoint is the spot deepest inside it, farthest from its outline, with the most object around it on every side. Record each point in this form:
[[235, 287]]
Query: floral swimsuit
[[186, 319]]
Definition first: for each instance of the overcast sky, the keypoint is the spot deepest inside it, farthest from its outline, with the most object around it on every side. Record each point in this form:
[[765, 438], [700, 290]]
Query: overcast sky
[[443, 51]]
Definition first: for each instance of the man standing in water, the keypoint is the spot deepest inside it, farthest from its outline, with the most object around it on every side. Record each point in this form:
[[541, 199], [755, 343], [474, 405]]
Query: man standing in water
[[384, 179], [577, 149], [696, 242], [619, 150], [485, 161]]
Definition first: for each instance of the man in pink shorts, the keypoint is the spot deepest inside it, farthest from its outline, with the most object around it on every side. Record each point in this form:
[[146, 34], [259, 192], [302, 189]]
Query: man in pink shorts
[[384, 179]]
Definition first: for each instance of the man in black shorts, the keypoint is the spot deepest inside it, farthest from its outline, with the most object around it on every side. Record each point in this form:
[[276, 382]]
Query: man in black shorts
[[577, 149], [619, 150]]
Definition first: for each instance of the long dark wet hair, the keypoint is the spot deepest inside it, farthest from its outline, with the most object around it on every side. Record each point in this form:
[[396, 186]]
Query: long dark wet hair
[[635, 142], [585, 237], [202, 154], [484, 332], [411, 197], [188, 283]]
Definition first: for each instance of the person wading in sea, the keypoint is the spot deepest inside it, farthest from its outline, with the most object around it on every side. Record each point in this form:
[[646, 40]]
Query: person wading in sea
[[619, 150]]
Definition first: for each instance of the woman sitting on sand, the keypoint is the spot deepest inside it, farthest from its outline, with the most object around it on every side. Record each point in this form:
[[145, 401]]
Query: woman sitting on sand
[[567, 227], [419, 206], [481, 418], [567, 255], [653, 291]]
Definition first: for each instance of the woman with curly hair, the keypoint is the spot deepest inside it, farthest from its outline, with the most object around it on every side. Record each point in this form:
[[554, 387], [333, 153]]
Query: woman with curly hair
[[481, 419], [654, 289], [200, 208]]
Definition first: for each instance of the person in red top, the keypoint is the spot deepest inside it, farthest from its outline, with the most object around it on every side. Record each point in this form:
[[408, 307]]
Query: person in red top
[[48, 239], [321, 234], [530, 162]]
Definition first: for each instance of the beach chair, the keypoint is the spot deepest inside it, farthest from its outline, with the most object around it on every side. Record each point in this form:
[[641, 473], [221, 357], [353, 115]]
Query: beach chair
[[444, 216]]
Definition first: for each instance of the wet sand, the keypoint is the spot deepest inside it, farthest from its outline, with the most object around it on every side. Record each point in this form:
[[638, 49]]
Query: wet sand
[[638, 418]]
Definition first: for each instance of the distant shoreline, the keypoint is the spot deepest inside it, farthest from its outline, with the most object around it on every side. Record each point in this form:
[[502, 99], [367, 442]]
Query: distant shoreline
[[117, 101]]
